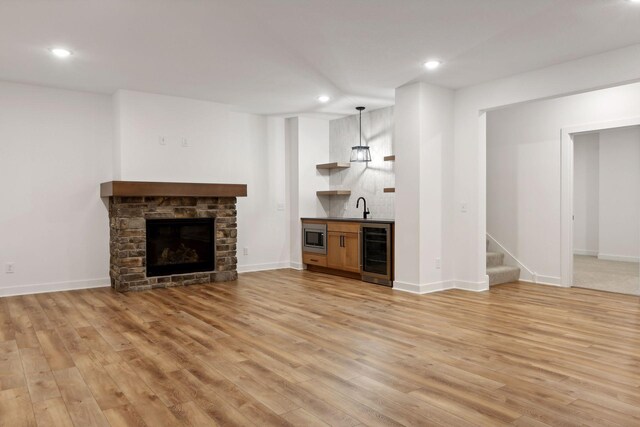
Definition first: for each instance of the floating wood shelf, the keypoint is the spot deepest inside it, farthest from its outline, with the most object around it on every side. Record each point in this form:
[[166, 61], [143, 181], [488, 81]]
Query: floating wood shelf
[[390, 158], [170, 189], [334, 165], [334, 193], [390, 190]]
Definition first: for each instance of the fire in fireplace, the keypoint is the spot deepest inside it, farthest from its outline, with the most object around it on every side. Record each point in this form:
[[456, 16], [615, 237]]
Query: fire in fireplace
[[178, 246]]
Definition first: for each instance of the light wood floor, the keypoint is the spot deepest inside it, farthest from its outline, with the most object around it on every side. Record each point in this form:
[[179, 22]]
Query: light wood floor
[[297, 348]]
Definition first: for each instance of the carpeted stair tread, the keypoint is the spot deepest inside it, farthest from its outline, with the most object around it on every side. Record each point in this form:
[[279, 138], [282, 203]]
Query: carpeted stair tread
[[503, 274], [494, 259]]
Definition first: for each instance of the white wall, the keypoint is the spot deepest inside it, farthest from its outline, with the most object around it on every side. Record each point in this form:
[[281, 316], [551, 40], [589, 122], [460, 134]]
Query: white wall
[[222, 146], [423, 141], [366, 180], [55, 150], [524, 170], [619, 219], [292, 189], [313, 148], [469, 156], [586, 194], [307, 144]]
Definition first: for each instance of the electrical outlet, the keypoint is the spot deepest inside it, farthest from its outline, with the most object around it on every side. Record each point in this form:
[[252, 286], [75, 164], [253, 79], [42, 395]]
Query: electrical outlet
[[464, 207], [184, 142], [281, 206], [162, 140], [438, 263], [245, 251], [10, 268]]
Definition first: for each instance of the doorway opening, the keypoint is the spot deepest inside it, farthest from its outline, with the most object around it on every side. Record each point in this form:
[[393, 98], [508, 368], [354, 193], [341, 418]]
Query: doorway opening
[[604, 185]]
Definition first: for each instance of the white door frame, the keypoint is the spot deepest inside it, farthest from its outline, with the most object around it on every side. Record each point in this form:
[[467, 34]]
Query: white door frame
[[566, 207]]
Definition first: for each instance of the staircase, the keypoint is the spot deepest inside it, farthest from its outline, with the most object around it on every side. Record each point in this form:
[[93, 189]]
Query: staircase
[[498, 272]]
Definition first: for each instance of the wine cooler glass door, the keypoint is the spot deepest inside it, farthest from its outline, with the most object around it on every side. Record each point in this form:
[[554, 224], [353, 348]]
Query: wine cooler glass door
[[376, 248]]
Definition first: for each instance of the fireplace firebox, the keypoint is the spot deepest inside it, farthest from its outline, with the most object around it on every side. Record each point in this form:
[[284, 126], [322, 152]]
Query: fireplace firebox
[[178, 246]]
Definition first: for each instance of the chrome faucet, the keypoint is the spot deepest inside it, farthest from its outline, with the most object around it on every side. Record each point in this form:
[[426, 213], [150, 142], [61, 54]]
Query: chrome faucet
[[365, 211]]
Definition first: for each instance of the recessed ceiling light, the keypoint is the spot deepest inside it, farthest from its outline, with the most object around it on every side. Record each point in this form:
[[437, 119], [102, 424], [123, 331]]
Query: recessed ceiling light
[[432, 64], [324, 98], [60, 52]]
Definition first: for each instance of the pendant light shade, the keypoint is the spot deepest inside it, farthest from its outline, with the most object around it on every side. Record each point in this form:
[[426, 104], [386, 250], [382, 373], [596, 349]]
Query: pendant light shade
[[360, 153]]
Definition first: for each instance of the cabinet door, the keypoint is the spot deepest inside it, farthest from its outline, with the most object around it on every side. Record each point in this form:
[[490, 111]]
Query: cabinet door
[[335, 251], [351, 261]]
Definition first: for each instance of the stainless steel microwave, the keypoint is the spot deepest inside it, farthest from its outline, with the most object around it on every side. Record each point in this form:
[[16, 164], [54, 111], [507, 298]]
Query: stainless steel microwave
[[314, 238]]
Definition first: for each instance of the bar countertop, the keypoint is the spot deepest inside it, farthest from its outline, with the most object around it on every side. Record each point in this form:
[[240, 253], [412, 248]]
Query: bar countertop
[[362, 220]]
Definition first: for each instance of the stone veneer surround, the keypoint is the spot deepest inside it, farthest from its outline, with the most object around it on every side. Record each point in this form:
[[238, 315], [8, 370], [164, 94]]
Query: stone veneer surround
[[127, 219]]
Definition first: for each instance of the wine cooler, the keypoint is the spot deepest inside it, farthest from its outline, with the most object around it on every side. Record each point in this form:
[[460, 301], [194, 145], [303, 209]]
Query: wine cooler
[[377, 257]]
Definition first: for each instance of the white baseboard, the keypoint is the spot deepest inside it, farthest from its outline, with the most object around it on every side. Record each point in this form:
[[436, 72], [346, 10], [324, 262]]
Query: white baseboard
[[407, 287], [296, 265], [263, 267], [585, 252], [40, 288], [270, 266], [424, 288], [545, 280], [556, 285], [466, 285], [548, 280], [427, 288], [472, 286], [622, 258]]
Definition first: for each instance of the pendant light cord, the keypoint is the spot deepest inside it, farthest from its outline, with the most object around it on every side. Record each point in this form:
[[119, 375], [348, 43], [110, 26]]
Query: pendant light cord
[[360, 128]]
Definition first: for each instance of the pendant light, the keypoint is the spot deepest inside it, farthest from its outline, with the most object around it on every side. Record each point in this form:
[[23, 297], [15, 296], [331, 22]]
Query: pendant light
[[360, 153]]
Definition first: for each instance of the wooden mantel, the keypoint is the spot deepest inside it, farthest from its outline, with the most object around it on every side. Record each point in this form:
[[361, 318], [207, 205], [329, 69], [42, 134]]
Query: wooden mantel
[[170, 189]]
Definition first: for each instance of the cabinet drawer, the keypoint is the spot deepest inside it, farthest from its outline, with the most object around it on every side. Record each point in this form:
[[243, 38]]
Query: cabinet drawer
[[314, 259], [344, 227]]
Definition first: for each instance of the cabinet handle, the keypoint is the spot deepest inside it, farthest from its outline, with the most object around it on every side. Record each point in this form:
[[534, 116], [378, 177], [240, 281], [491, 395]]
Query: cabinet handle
[[342, 240], [360, 250], [313, 260]]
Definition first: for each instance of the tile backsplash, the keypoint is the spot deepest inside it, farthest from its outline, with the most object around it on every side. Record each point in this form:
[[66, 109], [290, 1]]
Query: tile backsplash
[[363, 179]]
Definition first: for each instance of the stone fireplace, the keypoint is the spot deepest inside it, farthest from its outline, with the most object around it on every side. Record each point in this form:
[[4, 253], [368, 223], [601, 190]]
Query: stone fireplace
[[171, 234]]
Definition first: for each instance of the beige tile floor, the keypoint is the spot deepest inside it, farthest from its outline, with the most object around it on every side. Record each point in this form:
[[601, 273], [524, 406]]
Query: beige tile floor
[[611, 276]]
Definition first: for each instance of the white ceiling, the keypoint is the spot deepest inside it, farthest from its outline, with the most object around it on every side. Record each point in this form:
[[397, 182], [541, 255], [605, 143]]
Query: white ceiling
[[277, 56]]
